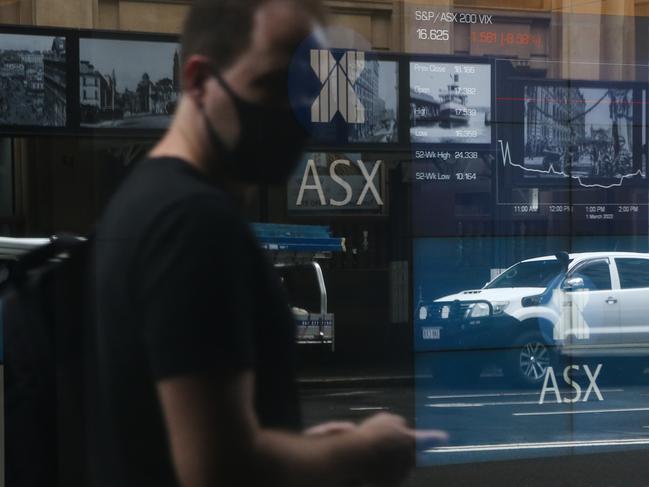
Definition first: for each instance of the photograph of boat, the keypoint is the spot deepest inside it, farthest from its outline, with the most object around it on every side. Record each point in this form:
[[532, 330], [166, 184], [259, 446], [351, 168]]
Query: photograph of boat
[[453, 109], [450, 103]]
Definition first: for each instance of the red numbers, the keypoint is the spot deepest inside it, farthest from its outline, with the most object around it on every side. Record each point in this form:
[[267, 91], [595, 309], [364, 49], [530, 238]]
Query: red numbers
[[507, 38]]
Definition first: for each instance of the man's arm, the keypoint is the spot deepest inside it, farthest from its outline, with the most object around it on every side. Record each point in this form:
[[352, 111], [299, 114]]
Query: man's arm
[[216, 440]]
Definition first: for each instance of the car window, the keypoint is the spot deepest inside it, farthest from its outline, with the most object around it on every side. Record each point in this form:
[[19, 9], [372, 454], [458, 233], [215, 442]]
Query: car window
[[596, 275], [537, 273], [634, 273]]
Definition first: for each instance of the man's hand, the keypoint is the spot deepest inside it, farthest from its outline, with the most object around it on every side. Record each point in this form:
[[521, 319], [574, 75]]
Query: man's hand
[[331, 428], [216, 439], [391, 448]]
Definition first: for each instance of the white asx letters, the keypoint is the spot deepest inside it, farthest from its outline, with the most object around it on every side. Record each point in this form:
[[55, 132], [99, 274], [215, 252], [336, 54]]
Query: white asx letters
[[550, 385], [311, 181]]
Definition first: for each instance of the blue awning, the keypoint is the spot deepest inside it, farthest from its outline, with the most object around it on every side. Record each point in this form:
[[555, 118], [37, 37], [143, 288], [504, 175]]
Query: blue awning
[[297, 238]]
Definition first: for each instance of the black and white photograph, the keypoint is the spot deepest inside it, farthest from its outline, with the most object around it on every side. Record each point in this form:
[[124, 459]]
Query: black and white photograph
[[128, 84], [377, 106], [450, 103], [377, 89], [33, 80], [578, 132]]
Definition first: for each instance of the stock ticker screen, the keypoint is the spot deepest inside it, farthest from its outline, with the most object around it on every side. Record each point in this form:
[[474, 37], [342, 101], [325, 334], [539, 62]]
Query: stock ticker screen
[[567, 156], [529, 219]]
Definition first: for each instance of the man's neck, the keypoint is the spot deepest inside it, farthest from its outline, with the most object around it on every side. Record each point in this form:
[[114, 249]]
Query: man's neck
[[183, 143], [178, 145]]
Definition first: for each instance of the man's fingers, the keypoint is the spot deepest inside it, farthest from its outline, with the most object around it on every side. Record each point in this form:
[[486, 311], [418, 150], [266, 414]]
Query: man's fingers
[[430, 438]]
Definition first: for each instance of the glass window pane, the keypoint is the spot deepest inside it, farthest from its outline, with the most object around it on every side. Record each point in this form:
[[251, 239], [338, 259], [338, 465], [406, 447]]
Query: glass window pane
[[596, 276], [634, 273]]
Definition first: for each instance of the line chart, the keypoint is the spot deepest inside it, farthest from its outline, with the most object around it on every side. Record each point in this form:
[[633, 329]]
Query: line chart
[[507, 160]]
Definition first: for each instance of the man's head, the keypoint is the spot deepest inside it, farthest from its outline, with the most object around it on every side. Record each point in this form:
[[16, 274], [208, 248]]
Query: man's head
[[236, 56], [259, 34]]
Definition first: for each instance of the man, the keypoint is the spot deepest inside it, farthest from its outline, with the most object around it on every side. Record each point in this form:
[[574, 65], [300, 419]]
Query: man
[[194, 381]]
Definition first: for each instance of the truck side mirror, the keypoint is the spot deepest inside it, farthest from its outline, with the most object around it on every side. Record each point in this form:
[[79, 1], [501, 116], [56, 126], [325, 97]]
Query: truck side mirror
[[573, 284]]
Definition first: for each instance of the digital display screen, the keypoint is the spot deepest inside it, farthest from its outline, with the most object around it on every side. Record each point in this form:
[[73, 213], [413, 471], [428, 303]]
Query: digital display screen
[[450, 103], [33, 80], [363, 109], [504, 389], [125, 84], [580, 133], [458, 184], [572, 155], [522, 251]]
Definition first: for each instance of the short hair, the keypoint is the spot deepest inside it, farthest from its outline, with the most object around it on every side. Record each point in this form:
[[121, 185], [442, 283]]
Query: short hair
[[222, 29]]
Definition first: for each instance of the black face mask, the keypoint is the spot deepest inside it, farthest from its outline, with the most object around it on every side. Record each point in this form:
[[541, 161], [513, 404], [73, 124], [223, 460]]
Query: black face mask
[[270, 143]]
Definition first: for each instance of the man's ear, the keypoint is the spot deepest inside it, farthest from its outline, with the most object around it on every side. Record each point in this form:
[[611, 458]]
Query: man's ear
[[195, 73]]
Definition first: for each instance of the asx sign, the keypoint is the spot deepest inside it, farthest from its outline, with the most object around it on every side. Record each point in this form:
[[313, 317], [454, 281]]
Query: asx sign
[[338, 78], [550, 385], [325, 182]]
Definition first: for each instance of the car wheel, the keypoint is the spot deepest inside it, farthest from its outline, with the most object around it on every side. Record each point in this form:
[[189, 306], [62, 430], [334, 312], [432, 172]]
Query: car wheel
[[530, 360]]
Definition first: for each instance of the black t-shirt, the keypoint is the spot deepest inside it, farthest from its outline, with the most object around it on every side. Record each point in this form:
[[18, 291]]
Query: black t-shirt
[[181, 288]]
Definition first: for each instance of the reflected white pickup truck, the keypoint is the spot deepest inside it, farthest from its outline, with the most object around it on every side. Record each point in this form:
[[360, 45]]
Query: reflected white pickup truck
[[542, 310]]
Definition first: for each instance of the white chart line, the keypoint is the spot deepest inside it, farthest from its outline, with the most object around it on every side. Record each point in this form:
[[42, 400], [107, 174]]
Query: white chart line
[[538, 446], [507, 159], [587, 411]]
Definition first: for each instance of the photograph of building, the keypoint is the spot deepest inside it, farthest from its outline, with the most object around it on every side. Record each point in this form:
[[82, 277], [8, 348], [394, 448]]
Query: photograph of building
[[377, 90], [450, 103], [32, 80], [128, 84], [582, 132], [376, 93]]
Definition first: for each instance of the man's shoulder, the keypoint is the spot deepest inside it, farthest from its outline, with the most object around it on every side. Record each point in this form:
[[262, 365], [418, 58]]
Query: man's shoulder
[[163, 189]]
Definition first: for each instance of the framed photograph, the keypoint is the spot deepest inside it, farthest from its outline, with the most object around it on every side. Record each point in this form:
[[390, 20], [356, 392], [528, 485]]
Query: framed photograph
[[33, 80], [128, 84], [580, 131], [346, 98]]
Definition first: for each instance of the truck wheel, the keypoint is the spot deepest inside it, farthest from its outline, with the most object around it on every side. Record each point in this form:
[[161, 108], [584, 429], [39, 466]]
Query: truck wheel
[[530, 359]]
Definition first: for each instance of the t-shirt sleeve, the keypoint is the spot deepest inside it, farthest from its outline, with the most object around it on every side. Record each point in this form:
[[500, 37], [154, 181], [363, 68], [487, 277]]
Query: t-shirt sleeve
[[192, 291]]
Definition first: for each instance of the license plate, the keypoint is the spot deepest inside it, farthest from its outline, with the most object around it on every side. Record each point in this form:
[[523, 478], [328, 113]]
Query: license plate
[[431, 333]]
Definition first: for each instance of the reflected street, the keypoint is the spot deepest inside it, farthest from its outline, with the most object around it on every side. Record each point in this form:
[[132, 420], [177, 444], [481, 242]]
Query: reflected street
[[597, 409], [489, 419]]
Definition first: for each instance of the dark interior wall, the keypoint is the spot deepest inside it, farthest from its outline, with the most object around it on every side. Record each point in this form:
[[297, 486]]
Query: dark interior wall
[[361, 303], [63, 184]]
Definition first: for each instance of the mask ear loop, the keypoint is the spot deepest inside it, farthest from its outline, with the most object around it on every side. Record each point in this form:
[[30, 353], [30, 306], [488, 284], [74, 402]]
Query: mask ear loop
[[224, 84], [217, 142], [219, 150]]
